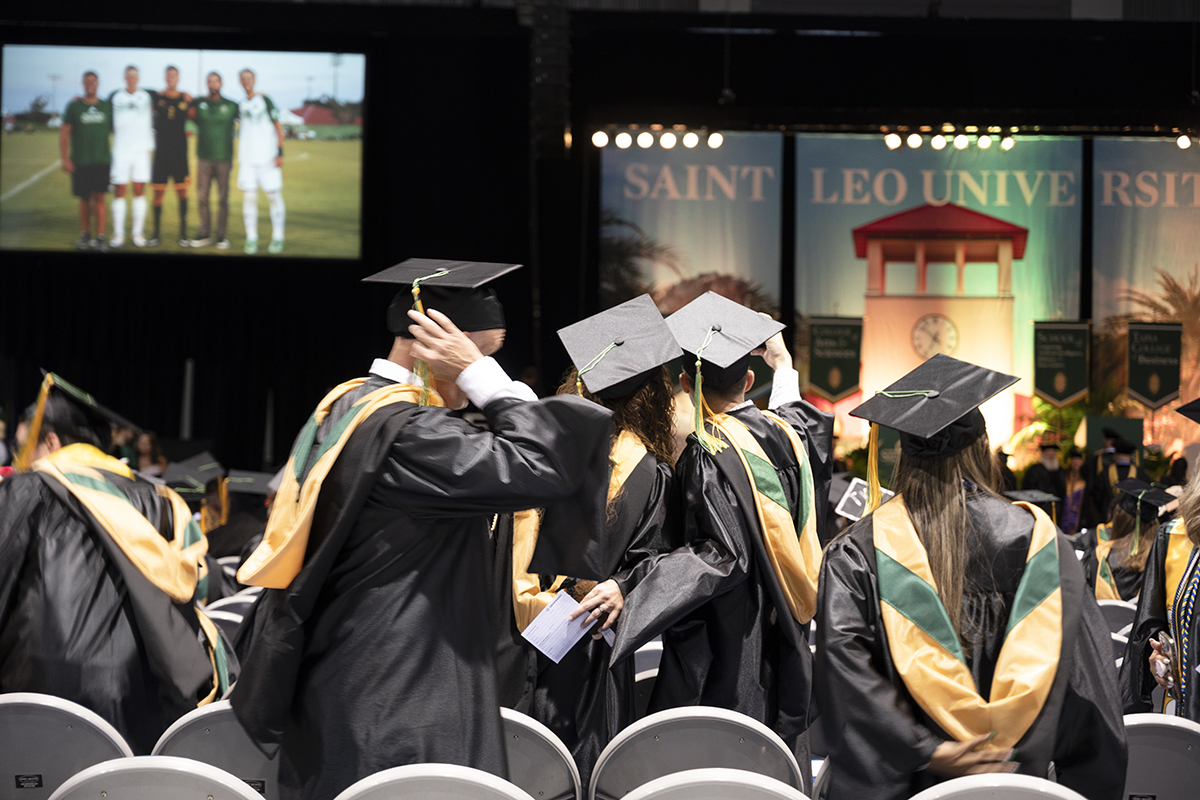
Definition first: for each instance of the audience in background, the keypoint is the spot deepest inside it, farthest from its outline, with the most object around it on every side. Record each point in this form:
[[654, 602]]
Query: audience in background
[[150, 460]]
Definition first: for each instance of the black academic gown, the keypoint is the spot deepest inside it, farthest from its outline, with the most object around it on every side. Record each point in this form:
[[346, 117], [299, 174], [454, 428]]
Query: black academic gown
[[516, 660], [1137, 682], [584, 701], [242, 526], [379, 653], [729, 638], [80, 622], [1098, 494], [1127, 581], [880, 739]]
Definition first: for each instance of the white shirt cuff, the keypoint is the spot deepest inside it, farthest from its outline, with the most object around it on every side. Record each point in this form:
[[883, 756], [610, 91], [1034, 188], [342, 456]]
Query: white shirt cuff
[[485, 381], [785, 387]]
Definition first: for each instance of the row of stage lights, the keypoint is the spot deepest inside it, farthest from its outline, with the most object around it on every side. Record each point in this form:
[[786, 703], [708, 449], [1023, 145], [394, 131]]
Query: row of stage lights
[[666, 139], [961, 141]]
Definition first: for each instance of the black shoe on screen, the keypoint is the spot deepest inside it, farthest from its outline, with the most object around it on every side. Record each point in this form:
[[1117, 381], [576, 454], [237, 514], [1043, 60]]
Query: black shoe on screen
[[83, 242], [99, 244]]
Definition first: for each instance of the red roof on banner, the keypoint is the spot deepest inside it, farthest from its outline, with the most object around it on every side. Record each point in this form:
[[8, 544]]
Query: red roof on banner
[[940, 222], [315, 115]]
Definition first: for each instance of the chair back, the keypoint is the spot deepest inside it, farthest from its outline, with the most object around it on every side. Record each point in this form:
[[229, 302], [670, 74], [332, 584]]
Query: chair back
[[1119, 615], [538, 761], [715, 784], [154, 778], [213, 735], [996, 786], [692, 737], [45, 740], [433, 782], [1164, 756], [1119, 643]]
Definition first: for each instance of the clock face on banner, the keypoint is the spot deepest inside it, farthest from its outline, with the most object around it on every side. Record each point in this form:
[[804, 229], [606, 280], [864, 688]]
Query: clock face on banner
[[933, 334]]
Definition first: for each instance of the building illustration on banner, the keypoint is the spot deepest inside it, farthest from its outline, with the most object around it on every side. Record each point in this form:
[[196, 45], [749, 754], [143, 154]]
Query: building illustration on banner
[[901, 331]]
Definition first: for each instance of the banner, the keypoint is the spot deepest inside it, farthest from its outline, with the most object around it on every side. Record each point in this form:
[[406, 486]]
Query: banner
[[1060, 361], [834, 357], [1153, 370], [1147, 265], [679, 222], [940, 251]]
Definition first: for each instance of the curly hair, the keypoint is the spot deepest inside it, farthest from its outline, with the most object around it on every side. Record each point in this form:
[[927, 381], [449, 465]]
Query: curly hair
[[648, 413]]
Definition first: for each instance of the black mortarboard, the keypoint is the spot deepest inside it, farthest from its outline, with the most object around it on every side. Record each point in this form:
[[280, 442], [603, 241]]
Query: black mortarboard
[[99, 419], [193, 475], [455, 288], [1032, 496], [1109, 433], [1124, 448], [1190, 410], [723, 333], [1140, 499], [1074, 452], [242, 482], [1048, 446], [935, 407], [616, 350]]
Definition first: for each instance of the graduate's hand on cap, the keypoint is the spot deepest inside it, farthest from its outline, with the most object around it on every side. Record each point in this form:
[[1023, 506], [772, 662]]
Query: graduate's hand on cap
[[955, 759], [1160, 666], [774, 352], [441, 345], [605, 598]]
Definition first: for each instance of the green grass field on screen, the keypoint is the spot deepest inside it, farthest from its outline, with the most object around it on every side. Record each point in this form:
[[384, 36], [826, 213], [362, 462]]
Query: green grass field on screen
[[321, 190]]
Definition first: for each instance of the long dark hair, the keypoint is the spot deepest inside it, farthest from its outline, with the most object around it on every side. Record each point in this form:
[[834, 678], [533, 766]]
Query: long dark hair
[[648, 413], [935, 494]]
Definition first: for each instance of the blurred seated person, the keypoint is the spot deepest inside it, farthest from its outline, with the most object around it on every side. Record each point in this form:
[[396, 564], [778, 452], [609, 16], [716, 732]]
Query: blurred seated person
[[1075, 482], [150, 460], [122, 448], [1098, 497], [1117, 551], [99, 574], [1047, 475], [246, 495]]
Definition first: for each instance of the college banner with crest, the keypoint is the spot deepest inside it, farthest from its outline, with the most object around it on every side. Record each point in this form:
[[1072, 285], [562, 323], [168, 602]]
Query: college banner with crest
[[1060, 361], [1154, 355], [834, 357]]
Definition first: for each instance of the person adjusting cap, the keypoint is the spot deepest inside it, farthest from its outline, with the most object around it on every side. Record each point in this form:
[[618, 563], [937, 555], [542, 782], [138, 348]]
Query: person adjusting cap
[[455, 288], [97, 416], [617, 350], [935, 408]]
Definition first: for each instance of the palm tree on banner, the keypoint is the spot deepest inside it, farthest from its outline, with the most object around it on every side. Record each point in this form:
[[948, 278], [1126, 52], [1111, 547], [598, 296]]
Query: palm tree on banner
[[627, 257]]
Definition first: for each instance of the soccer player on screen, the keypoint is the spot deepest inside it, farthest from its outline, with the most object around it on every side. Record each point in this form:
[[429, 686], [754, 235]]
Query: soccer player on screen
[[133, 139], [83, 146], [214, 116], [260, 162], [170, 152]]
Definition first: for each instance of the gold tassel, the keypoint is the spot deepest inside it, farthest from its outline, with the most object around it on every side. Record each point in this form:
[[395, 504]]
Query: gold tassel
[[874, 493], [700, 408], [25, 457], [422, 369]]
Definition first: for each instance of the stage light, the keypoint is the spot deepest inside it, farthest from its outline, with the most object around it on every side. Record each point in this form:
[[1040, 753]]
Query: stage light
[[691, 139], [960, 142], [715, 140], [623, 140], [645, 139], [947, 127], [1007, 143], [667, 140], [600, 139], [892, 140], [1184, 141], [914, 140], [937, 142], [984, 142]]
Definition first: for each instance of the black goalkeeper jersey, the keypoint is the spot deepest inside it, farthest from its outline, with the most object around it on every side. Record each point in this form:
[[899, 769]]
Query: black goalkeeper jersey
[[170, 116]]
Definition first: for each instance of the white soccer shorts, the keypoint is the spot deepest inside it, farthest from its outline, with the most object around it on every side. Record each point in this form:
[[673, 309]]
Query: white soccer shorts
[[267, 177], [129, 166]]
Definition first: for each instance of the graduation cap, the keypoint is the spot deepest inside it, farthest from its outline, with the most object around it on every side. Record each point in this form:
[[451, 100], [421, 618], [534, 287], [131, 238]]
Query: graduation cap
[[98, 418], [1190, 410], [1110, 433], [1124, 448], [935, 408], [617, 350], [1048, 446], [192, 476], [242, 482], [1032, 496], [1142, 500], [455, 288]]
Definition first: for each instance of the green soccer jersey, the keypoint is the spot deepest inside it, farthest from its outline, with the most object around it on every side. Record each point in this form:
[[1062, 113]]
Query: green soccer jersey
[[91, 123], [214, 126]]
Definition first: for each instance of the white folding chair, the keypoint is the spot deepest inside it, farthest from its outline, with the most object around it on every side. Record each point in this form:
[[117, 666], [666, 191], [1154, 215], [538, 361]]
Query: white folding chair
[[996, 786], [1164, 756], [213, 735], [821, 780], [538, 761], [154, 778], [234, 604], [433, 782], [715, 784], [647, 657], [1118, 646], [229, 565], [1119, 615], [45, 740], [693, 737], [227, 621]]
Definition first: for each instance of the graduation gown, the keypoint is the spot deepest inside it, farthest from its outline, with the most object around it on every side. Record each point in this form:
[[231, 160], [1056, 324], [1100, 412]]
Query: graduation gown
[[880, 739], [1098, 494], [582, 699], [1128, 581], [242, 526], [379, 653], [729, 638], [1137, 682], [80, 622]]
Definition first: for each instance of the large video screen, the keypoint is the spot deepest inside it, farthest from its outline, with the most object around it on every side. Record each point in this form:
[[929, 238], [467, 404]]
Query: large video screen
[[173, 151]]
